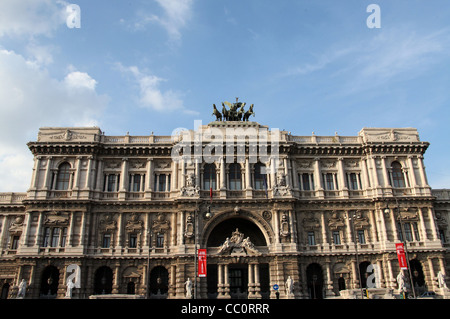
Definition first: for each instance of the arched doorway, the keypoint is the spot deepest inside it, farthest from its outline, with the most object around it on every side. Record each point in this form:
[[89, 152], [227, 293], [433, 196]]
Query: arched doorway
[[49, 282], [159, 282], [103, 281], [363, 273], [225, 229], [234, 240], [131, 288], [314, 278], [5, 291], [418, 276]]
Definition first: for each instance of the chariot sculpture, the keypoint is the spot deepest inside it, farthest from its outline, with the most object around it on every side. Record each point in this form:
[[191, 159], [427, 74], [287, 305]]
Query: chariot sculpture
[[234, 112]]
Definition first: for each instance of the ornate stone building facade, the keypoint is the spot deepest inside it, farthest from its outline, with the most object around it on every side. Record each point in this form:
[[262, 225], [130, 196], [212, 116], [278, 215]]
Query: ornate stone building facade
[[308, 213]]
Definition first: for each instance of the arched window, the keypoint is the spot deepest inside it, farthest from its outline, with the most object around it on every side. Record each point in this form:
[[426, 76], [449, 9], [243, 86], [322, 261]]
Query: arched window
[[235, 177], [62, 180], [398, 180], [209, 177], [260, 176]]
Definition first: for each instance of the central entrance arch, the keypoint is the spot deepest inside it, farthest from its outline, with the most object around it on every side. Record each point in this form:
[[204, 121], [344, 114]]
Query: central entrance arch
[[225, 229], [234, 266]]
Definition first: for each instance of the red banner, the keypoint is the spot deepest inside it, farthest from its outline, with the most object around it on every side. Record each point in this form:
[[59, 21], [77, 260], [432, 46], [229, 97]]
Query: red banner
[[401, 256], [201, 262]]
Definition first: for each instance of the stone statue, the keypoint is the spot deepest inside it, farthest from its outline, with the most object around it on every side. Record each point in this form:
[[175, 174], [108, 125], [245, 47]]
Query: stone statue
[[70, 285], [441, 280], [225, 246], [401, 281], [217, 113], [238, 244], [248, 113], [188, 285], [191, 189], [289, 286], [22, 289], [236, 111]]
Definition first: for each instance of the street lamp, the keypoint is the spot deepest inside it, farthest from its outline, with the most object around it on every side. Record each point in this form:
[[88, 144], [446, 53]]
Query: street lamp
[[149, 236], [352, 225], [386, 212]]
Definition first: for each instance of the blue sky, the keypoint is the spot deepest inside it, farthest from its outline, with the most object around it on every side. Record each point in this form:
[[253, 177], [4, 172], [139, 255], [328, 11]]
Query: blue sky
[[156, 65]]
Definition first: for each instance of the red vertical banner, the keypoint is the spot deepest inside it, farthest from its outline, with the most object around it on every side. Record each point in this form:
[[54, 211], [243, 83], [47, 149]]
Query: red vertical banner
[[201, 262], [401, 256]]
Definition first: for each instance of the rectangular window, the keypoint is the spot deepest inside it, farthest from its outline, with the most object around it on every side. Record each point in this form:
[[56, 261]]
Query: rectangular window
[[133, 241], [361, 237], [416, 231], [63, 237], [328, 181], [442, 236], [235, 177], [46, 241], [55, 237], [15, 242], [311, 238], [162, 183], [336, 237], [353, 180], [106, 241], [112, 183], [408, 232], [305, 182], [160, 240]]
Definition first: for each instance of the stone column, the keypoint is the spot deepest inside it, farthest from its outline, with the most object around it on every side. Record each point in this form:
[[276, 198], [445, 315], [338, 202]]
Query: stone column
[[251, 284], [432, 274], [376, 182], [226, 289], [341, 177], [87, 184], [380, 275], [39, 230], [423, 227], [76, 178], [35, 175], [47, 173], [219, 281], [411, 171], [384, 171], [257, 283], [325, 243], [318, 178], [99, 175], [422, 174], [124, 173]]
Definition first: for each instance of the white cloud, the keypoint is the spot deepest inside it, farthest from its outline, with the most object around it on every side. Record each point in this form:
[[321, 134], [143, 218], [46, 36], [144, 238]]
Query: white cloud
[[176, 15], [31, 17], [150, 94], [80, 80], [396, 52], [31, 98]]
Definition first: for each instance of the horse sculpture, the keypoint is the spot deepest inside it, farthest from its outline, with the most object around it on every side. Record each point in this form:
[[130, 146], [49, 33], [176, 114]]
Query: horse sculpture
[[248, 113], [217, 114], [236, 112]]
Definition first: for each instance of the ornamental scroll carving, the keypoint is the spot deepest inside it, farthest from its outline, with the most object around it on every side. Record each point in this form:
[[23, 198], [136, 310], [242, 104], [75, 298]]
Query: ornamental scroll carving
[[191, 189], [237, 244], [336, 222], [16, 226], [134, 225], [310, 222], [55, 218], [107, 224]]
